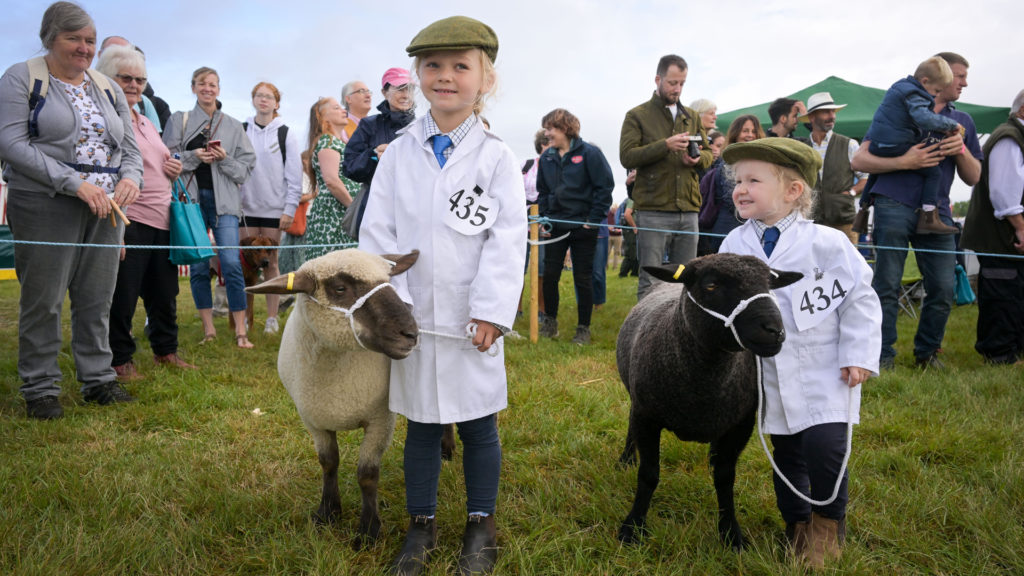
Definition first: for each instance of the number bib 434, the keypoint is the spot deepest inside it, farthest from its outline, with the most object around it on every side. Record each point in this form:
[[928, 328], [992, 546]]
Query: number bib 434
[[471, 211], [818, 295]]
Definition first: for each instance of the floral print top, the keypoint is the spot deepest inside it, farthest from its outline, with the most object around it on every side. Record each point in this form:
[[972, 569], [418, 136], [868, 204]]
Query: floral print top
[[91, 147], [323, 222]]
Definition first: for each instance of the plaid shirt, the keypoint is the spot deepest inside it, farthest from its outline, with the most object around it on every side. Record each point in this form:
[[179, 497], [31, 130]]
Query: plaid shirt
[[782, 225], [430, 130]]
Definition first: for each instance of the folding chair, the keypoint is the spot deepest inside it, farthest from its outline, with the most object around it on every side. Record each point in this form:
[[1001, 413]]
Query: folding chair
[[911, 287]]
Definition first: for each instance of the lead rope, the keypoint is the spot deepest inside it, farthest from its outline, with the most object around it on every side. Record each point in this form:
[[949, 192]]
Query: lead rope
[[760, 435], [350, 314]]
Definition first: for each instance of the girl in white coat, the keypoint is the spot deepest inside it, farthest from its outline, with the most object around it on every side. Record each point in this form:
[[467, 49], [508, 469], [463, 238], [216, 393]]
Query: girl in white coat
[[452, 190], [833, 336]]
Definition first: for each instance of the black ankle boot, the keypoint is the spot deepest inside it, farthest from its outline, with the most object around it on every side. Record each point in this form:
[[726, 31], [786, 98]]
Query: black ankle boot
[[419, 542], [479, 546]]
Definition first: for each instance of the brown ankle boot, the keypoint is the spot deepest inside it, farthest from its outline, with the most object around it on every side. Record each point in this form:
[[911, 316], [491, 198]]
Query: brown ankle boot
[[824, 540], [930, 223], [420, 540], [796, 534], [479, 546]]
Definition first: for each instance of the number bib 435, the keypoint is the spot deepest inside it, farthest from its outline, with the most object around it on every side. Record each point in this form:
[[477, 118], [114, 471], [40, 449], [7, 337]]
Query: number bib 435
[[818, 295], [471, 211]]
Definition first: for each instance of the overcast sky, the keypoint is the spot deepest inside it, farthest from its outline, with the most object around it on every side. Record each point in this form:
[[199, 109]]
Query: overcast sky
[[596, 58]]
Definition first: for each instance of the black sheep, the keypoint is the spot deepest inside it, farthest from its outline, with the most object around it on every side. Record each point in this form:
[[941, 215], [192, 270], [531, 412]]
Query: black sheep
[[686, 371]]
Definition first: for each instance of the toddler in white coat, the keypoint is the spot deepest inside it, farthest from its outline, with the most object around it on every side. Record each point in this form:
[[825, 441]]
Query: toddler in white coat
[[833, 337], [452, 190]]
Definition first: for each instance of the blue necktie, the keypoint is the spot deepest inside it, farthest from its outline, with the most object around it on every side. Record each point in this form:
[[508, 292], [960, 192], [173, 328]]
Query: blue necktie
[[771, 236], [441, 142]]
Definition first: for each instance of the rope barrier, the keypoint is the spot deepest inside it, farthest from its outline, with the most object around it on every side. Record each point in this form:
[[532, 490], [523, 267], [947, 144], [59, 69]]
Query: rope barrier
[[543, 221]]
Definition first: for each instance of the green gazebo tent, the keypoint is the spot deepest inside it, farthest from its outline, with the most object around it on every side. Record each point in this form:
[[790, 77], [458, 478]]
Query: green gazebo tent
[[861, 101]]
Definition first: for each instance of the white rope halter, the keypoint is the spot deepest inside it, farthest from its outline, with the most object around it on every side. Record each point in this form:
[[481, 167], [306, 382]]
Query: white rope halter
[[350, 312], [731, 318]]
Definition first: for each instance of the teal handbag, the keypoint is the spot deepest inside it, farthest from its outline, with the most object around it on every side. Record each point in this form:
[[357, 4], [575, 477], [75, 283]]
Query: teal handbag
[[964, 293], [189, 240]]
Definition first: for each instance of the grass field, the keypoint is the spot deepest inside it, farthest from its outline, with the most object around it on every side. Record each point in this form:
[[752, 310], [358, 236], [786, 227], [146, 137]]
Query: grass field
[[188, 480]]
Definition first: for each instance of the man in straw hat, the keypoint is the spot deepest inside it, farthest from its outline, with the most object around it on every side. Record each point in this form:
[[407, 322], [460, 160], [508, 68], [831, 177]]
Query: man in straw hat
[[838, 184]]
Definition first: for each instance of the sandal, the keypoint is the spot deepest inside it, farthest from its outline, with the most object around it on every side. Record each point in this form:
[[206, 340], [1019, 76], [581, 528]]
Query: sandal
[[208, 337], [243, 341]]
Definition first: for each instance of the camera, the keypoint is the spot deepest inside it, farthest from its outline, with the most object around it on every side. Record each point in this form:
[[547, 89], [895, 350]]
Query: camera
[[693, 148]]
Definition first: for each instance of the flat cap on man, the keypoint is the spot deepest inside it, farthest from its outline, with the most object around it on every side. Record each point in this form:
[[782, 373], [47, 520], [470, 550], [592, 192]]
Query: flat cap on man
[[455, 33], [782, 151]]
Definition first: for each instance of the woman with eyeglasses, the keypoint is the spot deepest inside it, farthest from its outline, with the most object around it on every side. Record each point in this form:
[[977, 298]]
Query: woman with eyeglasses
[[216, 158], [148, 273], [334, 192], [272, 193], [69, 158], [358, 101], [374, 133]]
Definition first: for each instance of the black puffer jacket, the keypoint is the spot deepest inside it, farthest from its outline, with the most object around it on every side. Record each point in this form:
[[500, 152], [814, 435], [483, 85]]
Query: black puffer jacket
[[360, 160]]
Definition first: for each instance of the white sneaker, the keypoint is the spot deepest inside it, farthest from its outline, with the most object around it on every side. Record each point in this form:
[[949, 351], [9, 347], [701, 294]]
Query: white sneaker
[[271, 326]]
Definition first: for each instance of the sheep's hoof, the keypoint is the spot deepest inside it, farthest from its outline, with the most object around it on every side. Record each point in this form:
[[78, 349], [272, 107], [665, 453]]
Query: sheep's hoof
[[631, 533], [447, 453], [627, 459], [732, 536], [325, 517], [368, 533]]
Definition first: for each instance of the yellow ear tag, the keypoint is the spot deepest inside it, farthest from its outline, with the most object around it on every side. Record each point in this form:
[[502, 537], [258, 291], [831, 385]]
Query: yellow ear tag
[[291, 278], [679, 272]]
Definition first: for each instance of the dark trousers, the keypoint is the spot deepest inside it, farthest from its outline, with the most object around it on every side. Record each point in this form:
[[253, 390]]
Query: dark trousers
[[151, 275], [630, 264], [582, 243], [481, 464], [811, 460], [1000, 309]]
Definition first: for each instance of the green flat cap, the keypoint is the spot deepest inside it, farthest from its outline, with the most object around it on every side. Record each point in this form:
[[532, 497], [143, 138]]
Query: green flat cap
[[782, 151], [455, 33]]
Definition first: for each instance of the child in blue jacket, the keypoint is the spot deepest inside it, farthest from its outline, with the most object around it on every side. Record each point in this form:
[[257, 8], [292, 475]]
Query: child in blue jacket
[[906, 118]]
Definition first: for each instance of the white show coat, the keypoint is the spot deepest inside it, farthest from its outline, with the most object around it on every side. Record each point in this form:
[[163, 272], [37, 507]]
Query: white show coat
[[458, 276], [802, 383]]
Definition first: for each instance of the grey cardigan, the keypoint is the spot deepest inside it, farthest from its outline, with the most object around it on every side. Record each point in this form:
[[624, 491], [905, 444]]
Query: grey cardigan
[[230, 173], [37, 164]]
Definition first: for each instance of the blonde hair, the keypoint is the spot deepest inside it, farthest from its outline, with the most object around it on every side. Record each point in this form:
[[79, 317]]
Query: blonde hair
[[487, 70], [788, 175], [202, 72], [936, 70]]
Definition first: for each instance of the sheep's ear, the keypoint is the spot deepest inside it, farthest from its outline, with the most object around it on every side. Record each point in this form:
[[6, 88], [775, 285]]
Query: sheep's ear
[[675, 273], [402, 262], [285, 284], [780, 279]]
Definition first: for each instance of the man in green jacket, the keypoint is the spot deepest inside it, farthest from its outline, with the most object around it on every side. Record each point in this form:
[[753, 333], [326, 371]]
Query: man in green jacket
[[655, 141]]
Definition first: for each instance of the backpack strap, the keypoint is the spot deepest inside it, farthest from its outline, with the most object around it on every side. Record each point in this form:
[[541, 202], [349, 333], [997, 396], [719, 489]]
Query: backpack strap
[[282, 136], [103, 83], [39, 82]]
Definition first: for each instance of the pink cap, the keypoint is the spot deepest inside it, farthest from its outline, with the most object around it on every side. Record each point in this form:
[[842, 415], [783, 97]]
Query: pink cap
[[395, 77]]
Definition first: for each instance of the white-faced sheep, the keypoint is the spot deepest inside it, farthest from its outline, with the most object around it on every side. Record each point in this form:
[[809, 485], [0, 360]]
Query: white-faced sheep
[[686, 370], [338, 378]]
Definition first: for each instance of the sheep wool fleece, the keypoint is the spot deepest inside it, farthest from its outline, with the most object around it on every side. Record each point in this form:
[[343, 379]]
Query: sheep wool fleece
[[832, 319], [468, 221]]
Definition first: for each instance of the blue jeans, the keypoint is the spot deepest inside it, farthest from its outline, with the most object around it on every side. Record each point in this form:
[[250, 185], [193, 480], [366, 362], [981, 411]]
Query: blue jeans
[[894, 226], [225, 233], [481, 465]]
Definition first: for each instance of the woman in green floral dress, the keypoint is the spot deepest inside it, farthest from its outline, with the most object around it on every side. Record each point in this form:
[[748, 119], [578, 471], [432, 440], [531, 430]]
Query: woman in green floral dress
[[334, 191]]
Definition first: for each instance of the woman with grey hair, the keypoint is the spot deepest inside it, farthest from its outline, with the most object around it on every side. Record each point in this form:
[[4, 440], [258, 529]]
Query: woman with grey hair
[[358, 101], [708, 112], [66, 137], [144, 272]]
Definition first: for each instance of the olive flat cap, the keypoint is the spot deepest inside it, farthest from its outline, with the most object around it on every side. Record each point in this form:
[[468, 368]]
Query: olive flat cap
[[782, 151], [455, 33]]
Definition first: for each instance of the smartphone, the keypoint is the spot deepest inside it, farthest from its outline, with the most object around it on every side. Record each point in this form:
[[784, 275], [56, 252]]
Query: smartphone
[[213, 144]]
